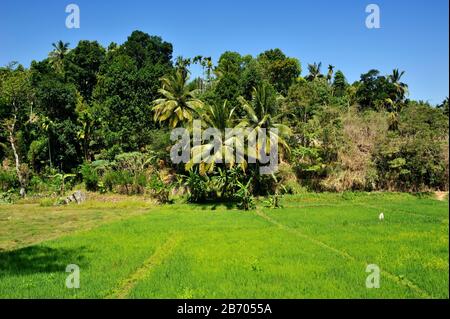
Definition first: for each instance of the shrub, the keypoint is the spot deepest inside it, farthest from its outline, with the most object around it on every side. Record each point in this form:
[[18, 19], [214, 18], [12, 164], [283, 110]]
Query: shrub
[[158, 189], [198, 187], [8, 197], [8, 180], [90, 177], [162, 196], [51, 181], [38, 185], [110, 180], [273, 201], [244, 196], [124, 182], [292, 187], [287, 180]]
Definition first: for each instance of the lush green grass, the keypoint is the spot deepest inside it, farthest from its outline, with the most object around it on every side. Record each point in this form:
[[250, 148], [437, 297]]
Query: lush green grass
[[317, 246]]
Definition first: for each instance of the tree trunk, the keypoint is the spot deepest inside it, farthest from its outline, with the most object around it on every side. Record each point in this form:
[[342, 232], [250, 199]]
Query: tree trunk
[[49, 150], [16, 157]]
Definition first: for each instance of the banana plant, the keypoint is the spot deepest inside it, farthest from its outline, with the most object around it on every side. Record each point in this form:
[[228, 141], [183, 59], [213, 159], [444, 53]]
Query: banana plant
[[63, 178]]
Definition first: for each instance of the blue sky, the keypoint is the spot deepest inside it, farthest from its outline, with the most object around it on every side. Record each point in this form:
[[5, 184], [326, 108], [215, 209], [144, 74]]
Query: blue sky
[[413, 34]]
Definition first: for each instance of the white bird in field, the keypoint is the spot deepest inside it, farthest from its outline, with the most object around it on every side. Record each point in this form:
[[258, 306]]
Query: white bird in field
[[381, 217]]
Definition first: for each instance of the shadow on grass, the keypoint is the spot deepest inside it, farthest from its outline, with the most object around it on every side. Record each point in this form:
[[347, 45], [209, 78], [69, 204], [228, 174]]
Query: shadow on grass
[[213, 205], [39, 259]]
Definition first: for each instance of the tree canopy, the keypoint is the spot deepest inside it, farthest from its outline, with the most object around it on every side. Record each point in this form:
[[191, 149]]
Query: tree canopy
[[84, 109]]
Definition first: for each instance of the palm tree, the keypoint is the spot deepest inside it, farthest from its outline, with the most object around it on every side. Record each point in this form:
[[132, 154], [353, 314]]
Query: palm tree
[[401, 89], [393, 113], [183, 64], [198, 60], [207, 64], [178, 103], [219, 116], [58, 54], [395, 101], [260, 114], [314, 71], [330, 72]]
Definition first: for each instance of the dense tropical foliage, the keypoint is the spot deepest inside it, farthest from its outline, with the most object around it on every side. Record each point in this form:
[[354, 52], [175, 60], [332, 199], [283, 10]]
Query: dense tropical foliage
[[102, 117]]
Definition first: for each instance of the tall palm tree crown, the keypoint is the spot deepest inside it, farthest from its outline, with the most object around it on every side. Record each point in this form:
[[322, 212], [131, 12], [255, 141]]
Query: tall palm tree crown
[[260, 114], [221, 117], [330, 72], [400, 87], [178, 104], [314, 71]]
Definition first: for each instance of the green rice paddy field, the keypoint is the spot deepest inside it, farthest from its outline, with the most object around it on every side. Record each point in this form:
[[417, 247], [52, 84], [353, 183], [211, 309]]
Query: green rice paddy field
[[316, 246]]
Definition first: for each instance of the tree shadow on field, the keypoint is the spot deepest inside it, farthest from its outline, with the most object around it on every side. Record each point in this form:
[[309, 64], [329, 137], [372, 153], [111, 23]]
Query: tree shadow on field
[[213, 205], [39, 259]]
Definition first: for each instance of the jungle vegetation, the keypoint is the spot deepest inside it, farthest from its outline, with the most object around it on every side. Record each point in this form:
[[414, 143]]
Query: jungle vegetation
[[102, 116]]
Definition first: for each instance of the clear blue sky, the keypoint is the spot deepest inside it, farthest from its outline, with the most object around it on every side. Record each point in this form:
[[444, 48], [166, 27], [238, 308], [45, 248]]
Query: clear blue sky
[[413, 35]]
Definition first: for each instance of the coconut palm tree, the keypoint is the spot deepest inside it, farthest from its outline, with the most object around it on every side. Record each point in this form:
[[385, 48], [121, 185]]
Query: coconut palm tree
[[183, 64], [219, 116], [401, 89], [395, 101], [314, 71], [178, 104], [260, 114], [330, 72], [58, 54]]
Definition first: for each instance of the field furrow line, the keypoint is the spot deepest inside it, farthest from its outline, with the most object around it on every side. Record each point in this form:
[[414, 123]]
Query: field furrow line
[[155, 260]]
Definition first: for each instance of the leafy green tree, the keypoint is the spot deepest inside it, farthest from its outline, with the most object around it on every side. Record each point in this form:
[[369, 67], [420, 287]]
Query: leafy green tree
[[144, 49], [17, 100], [182, 65], [56, 100], [306, 98], [373, 91], [82, 65], [87, 122], [228, 88], [128, 81], [396, 100], [339, 84], [251, 77], [229, 63], [444, 106], [279, 70]]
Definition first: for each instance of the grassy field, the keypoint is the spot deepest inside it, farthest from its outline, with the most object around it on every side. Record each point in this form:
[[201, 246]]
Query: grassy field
[[316, 246]]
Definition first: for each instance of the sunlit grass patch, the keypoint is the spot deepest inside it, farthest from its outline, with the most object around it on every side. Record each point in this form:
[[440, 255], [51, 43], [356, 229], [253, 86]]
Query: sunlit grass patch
[[316, 246]]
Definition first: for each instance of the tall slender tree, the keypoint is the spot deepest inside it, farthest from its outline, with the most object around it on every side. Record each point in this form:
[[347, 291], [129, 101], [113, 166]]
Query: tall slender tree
[[58, 54], [401, 89], [330, 73]]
